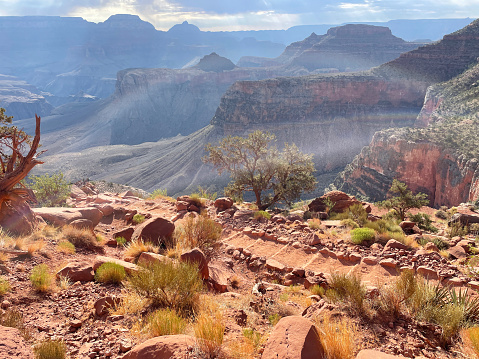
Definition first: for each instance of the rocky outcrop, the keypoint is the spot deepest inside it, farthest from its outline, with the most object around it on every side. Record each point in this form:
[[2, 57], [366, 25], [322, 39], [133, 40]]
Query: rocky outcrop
[[215, 63]]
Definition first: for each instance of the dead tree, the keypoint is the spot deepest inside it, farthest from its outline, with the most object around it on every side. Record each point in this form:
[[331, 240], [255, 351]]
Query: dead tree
[[15, 214]]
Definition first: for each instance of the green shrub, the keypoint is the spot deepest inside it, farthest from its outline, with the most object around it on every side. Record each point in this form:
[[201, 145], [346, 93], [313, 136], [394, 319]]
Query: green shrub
[[50, 349], [4, 286], [360, 235], [204, 193], [110, 273], [349, 223], [138, 218], [261, 214], [457, 230], [66, 247], [41, 278], [120, 241], [423, 221], [158, 193], [169, 285], [165, 322], [274, 319], [440, 244], [317, 290], [348, 289], [50, 191], [441, 214]]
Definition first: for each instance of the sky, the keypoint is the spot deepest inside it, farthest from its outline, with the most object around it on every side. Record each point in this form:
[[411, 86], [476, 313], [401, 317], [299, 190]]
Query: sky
[[229, 15]]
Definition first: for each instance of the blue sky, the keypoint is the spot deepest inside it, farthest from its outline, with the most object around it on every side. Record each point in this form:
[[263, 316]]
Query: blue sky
[[218, 15]]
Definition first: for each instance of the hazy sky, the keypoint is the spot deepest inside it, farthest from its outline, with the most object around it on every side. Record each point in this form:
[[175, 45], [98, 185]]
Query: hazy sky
[[246, 14]]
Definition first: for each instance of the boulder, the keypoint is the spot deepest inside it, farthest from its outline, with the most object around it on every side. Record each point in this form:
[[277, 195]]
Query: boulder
[[129, 267], [375, 354], [106, 209], [125, 233], [13, 345], [77, 272], [18, 220], [426, 272], [463, 219], [147, 257], [197, 257], [82, 224], [154, 230], [340, 200], [274, 265], [218, 279], [223, 203], [164, 347], [294, 337], [102, 305], [392, 243], [60, 216], [312, 239], [76, 192]]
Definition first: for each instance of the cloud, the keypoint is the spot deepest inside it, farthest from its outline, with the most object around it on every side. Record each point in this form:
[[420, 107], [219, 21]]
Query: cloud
[[246, 14]]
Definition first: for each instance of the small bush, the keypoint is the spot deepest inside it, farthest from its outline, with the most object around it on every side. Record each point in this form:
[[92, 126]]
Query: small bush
[[138, 218], [4, 286], [50, 349], [349, 223], [165, 322], [360, 235], [81, 238], [50, 191], [440, 244], [197, 200], [169, 284], [41, 278], [120, 241], [158, 193], [209, 332], [314, 223], [441, 214], [12, 318], [317, 290], [261, 214], [338, 337], [457, 230], [204, 193], [201, 232], [274, 319], [423, 221], [110, 273], [349, 290], [66, 247], [136, 247]]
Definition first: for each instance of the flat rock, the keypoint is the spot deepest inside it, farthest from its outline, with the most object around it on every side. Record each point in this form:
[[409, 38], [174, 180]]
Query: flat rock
[[294, 337], [392, 243], [154, 230], [125, 233], [77, 272], [13, 345], [274, 265], [428, 273], [375, 354], [369, 260], [389, 262], [218, 278], [148, 257], [61, 216], [164, 347], [457, 252]]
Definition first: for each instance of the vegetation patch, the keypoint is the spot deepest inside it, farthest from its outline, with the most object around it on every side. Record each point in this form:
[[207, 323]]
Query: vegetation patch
[[50, 349], [361, 235], [110, 273], [41, 278], [165, 322]]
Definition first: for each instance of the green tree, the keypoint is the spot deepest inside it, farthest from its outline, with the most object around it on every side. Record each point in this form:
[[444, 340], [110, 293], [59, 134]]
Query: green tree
[[405, 199], [257, 166], [51, 190]]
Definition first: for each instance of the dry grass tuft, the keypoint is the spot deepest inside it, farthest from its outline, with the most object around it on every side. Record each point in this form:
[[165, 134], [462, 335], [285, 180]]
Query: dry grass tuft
[[201, 232], [138, 246], [35, 247], [209, 331], [110, 273], [66, 247], [50, 349], [4, 286], [337, 337], [41, 278], [470, 337], [131, 303], [165, 322], [81, 238]]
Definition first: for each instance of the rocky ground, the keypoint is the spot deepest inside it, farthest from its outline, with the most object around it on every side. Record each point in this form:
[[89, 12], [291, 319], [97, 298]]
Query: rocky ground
[[262, 270]]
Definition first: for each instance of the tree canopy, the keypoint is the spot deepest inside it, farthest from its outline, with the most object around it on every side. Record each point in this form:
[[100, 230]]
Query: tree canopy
[[257, 166], [405, 199]]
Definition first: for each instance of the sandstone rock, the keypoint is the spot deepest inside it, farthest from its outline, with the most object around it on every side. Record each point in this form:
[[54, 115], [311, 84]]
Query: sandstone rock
[[355, 257], [457, 252], [431, 247], [77, 272], [181, 206], [389, 262], [106, 209], [60, 216], [82, 224], [102, 305], [392, 243], [427, 272], [464, 219], [147, 257], [370, 260], [129, 267], [474, 285], [164, 347], [19, 220], [223, 203], [218, 279], [274, 265], [299, 272], [375, 354], [196, 256], [340, 199], [154, 230], [405, 225], [125, 233], [13, 345], [294, 337], [312, 239], [76, 192]]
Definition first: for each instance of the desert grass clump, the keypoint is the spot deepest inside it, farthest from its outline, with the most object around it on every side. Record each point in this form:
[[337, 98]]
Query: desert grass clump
[[201, 232], [165, 322], [169, 285], [41, 278], [337, 336], [64, 282], [50, 349], [12, 318], [66, 247], [259, 215], [138, 246], [4, 286], [131, 303], [138, 218], [81, 238], [472, 337], [120, 241], [361, 235], [110, 273], [314, 224], [349, 223], [209, 332], [197, 200], [349, 290], [317, 290]]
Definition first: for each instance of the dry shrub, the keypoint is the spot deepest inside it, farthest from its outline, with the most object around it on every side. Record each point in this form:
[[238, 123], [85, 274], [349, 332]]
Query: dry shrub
[[81, 238], [41, 278], [471, 338], [138, 246], [35, 247], [50, 349], [165, 322], [349, 290], [110, 273], [4, 286], [14, 319], [64, 282], [314, 223], [201, 232], [66, 247], [209, 331], [235, 281], [169, 285], [131, 303], [337, 336]]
